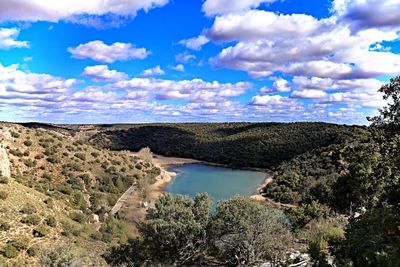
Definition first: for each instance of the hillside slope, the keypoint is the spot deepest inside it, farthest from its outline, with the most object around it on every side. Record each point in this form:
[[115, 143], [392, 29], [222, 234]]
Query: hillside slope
[[61, 192], [236, 144]]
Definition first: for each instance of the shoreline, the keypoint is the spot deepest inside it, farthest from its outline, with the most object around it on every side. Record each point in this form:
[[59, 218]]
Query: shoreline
[[167, 163], [167, 175]]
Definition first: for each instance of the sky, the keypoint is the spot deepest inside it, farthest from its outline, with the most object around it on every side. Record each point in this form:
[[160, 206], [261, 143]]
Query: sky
[[138, 61]]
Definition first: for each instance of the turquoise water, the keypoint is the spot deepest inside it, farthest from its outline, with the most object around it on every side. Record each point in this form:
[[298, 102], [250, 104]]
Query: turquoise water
[[220, 183]]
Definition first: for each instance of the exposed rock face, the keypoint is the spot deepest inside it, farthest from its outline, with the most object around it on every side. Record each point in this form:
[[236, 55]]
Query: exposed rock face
[[4, 162]]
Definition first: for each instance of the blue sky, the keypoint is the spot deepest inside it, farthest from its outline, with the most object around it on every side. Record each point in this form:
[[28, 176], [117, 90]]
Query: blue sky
[[180, 61]]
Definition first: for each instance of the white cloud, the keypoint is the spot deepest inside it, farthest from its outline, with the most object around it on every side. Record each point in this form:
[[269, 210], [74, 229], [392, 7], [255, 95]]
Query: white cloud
[[8, 38], [102, 73], [280, 85], [267, 100], [364, 14], [178, 67], [46, 10], [153, 71], [217, 7], [195, 43], [98, 51], [309, 94], [184, 57], [31, 89], [301, 45]]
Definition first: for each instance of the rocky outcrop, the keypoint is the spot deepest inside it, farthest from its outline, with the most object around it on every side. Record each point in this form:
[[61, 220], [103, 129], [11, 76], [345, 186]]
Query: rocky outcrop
[[4, 162]]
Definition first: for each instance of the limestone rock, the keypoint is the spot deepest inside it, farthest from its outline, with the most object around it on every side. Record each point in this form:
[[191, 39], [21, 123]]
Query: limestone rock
[[4, 162]]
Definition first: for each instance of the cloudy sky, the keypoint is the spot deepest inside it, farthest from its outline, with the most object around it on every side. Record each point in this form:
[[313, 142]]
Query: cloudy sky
[[108, 61]]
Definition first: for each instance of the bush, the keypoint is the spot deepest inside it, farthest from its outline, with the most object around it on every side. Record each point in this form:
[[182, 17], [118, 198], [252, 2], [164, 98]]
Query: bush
[[3, 195], [4, 226], [33, 250], [78, 217], [51, 221], [29, 163], [32, 219], [28, 209], [49, 202], [28, 142], [20, 242], [4, 180], [40, 231], [95, 154], [15, 135], [10, 251], [80, 156]]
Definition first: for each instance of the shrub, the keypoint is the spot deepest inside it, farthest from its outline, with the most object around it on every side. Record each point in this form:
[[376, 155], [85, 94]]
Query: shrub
[[20, 242], [80, 156], [47, 176], [32, 219], [95, 154], [49, 202], [4, 180], [28, 142], [78, 217], [59, 255], [10, 251], [3, 195], [4, 226], [33, 250], [40, 231], [29, 163], [15, 135], [51, 221], [28, 209], [53, 159]]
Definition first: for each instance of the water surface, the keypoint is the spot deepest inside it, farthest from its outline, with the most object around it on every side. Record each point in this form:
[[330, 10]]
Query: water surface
[[220, 183]]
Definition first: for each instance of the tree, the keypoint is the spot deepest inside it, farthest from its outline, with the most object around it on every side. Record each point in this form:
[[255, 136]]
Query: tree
[[243, 232], [372, 239], [389, 115], [174, 232]]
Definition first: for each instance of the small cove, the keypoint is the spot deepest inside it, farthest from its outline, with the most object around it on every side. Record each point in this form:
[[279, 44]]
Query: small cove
[[219, 182]]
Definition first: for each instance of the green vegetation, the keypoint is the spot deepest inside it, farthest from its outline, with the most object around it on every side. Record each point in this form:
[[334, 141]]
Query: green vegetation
[[236, 144], [183, 231]]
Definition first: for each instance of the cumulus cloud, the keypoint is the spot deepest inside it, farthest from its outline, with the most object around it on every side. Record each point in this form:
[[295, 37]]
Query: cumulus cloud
[[101, 52], [156, 71], [19, 89], [179, 67], [301, 45], [45, 10], [195, 43], [280, 85], [8, 38], [184, 57], [309, 93], [102, 73], [364, 14], [217, 7]]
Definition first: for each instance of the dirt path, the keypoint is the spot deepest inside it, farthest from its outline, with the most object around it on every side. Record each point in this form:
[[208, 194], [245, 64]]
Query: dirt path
[[123, 199]]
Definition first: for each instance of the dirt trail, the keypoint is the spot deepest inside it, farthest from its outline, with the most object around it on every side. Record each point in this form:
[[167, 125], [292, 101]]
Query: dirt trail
[[123, 200]]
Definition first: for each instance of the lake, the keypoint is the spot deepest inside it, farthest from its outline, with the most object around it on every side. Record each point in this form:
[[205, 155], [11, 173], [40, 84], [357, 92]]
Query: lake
[[220, 183]]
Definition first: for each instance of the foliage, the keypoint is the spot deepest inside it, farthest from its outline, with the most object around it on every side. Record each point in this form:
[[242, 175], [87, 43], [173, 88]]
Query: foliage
[[31, 219], [28, 209], [3, 180], [58, 255], [183, 231], [3, 195], [372, 239], [243, 232], [302, 215], [235, 144], [390, 115]]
